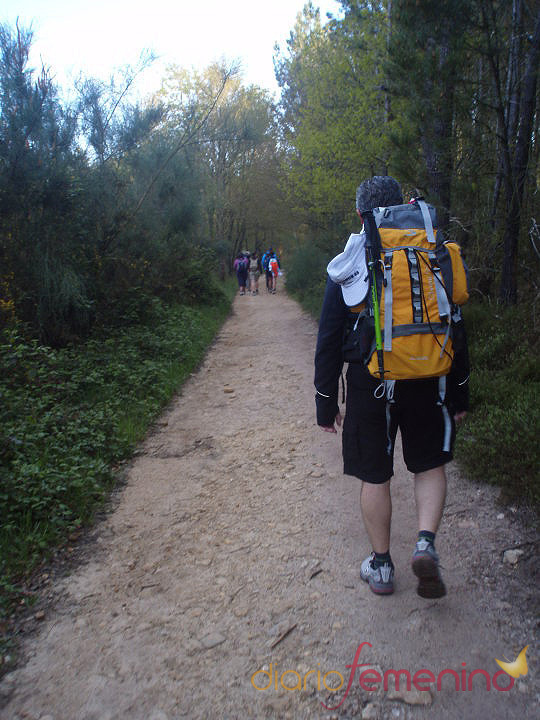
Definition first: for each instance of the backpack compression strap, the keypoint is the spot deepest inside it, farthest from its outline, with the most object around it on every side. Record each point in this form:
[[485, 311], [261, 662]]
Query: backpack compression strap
[[427, 220]]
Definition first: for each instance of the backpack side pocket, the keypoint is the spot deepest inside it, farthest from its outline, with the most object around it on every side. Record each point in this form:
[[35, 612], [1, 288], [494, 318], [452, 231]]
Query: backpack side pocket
[[358, 338], [454, 271]]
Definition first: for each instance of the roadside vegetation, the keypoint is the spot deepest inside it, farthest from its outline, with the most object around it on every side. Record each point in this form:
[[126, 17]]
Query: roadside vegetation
[[499, 442]]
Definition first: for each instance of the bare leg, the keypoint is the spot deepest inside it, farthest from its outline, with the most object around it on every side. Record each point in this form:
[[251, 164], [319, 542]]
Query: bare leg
[[376, 504], [430, 494]]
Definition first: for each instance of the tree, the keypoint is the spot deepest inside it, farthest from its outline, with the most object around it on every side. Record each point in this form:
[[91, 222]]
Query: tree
[[426, 60], [38, 257], [496, 156], [333, 116], [235, 152], [515, 103]]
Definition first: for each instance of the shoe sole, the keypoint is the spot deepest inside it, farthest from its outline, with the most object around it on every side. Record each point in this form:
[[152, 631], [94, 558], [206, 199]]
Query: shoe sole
[[378, 589], [430, 584]]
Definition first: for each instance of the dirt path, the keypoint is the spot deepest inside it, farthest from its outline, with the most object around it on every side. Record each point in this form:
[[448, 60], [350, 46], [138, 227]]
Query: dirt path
[[235, 545]]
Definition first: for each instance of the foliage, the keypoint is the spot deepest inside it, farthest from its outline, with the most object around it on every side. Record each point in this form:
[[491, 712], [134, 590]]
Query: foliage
[[428, 37], [444, 96], [237, 154], [38, 260], [106, 205], [498, 443], [305, 279], [67, 416], [332, 113]]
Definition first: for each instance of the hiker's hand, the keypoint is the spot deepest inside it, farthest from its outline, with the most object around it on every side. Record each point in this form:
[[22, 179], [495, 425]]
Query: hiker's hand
[[458, 417], [332, 428]]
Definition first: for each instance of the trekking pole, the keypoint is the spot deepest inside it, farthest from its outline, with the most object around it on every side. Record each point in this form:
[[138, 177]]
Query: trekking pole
[[377, 318], [373, 248]]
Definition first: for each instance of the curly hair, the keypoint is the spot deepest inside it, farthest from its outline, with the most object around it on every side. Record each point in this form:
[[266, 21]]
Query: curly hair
[[378, 191]]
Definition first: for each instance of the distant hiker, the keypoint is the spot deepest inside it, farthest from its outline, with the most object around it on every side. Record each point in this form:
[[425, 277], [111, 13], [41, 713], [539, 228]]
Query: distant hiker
[[273, 266], [255, 269], [241, 267], [266, 268], [247, 255], [425, 409]]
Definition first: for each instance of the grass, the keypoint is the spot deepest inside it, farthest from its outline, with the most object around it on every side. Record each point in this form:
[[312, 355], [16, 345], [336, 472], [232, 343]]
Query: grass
[[67, 417]]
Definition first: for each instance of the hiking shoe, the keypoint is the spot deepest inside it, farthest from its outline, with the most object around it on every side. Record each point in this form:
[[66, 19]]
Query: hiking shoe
[[380, 579], [425, 565]]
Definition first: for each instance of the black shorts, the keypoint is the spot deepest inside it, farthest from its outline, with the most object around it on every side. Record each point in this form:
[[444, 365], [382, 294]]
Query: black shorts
[[427, 430]]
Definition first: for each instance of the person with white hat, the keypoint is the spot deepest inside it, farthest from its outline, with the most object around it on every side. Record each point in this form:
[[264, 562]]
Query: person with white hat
[[368, 434]]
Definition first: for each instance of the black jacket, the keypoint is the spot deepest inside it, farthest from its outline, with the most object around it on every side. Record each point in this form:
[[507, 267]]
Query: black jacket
[[329, 363]]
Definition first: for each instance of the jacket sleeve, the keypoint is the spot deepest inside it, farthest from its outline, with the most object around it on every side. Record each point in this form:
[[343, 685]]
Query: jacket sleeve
[[458, 379], [328, 354]]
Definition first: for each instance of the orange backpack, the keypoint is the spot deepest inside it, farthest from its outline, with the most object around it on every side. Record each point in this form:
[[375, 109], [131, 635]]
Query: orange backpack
[[421, 281]]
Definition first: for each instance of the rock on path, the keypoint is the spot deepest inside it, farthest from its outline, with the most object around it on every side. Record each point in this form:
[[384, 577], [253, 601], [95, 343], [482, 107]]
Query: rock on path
[[235, 547]]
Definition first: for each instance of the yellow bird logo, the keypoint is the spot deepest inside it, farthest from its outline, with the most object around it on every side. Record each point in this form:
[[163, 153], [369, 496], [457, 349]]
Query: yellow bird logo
[[516, 668]]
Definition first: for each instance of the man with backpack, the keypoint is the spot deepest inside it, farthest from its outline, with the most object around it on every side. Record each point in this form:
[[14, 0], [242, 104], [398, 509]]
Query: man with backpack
[[241, 267], [273, 267], [255, 270], [265, 261], [366, 282]]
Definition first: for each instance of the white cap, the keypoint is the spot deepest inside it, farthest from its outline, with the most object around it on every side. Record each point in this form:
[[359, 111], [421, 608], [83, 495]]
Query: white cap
[[349, 270]]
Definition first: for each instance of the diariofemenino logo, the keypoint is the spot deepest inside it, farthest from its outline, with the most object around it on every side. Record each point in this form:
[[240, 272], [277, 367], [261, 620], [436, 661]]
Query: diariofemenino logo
[[371, 680]]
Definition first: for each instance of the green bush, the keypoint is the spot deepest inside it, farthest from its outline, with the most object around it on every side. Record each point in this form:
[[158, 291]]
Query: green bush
[[306, 277], [498, 443]]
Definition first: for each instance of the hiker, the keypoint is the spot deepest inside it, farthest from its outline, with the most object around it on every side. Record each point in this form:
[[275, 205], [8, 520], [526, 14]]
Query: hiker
[[265, 262], [241, 267], [247, 256], [273, 266], [371, 420], [255, 269]]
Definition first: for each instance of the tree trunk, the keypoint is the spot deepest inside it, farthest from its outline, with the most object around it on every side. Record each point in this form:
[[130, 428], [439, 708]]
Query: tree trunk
[[510, 113], [436, 139], [387, 100], [508, 289]]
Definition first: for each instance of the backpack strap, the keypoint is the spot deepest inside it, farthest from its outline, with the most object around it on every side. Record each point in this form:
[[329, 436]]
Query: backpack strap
[[427, 220], [442, 296], [446, 415]]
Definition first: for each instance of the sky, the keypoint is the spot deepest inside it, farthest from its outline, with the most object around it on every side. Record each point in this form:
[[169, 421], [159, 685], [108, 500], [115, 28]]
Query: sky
[[97, 37]]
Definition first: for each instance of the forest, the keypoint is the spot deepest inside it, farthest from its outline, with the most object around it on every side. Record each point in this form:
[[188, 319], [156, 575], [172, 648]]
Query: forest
[[120, 220]]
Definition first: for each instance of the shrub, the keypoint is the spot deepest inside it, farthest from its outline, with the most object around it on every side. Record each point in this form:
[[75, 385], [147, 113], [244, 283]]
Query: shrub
[[306, 277], [498, 443]]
